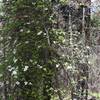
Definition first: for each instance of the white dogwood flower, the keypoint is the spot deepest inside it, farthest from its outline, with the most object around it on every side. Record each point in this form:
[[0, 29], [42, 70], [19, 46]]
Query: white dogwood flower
[[26, 68]]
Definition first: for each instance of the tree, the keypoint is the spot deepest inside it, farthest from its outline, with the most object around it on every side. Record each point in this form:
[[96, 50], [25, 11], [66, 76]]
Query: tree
[[28, 26]]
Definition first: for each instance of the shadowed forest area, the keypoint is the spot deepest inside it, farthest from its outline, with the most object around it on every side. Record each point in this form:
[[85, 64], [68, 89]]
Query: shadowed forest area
[[49, 49]]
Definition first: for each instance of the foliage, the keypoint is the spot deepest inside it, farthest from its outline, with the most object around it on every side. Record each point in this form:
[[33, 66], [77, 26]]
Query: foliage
[[45, 54], [26, 25]]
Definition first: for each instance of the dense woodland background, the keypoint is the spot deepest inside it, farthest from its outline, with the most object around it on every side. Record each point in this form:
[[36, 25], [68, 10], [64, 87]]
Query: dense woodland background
[[50, 50]]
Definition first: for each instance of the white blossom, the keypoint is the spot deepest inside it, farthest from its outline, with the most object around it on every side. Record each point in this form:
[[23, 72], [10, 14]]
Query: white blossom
[[25, 83], [63, 55], [1, 38], [66, 64], [45, 34], [39, 46], [17, 82], [28, 31], [14, 72], [9, 66], [44, 69], [26, 42], [30, 83], [28, 23], [39, 33], [31, 60], [46, 9], [40, 66], [87, 47], [10, 69], [26, 68], [15, 60], [9, 37], [57, 65], [54, 42], [21, 30], [69, 67]]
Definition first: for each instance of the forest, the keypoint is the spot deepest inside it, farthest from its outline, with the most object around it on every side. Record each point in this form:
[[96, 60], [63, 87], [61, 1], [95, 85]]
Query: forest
[[49, 49]]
